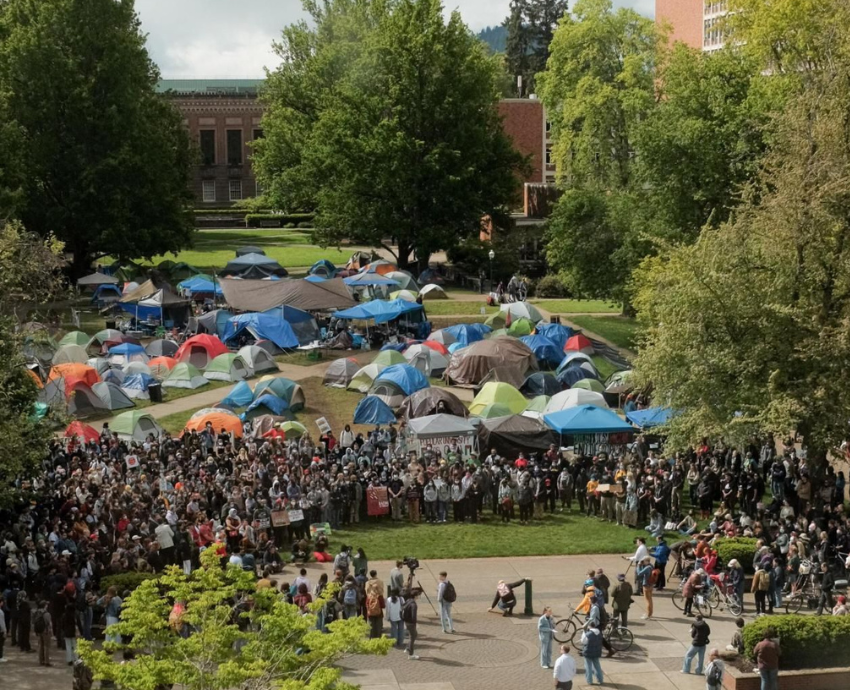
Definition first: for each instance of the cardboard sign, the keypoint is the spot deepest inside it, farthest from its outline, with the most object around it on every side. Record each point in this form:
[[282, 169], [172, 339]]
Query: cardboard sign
[[323, 425], [132, 462], [377, 501], [296, 515], [280, 518]]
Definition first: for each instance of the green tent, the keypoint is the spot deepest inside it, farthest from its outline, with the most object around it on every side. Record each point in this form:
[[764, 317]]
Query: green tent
[[184, 375], [226, 367], [389, 357], [135, 425], [538, 404], [497, 320], [494, 410], [283, 389], [293, 429], [75, 338], [520, 327], [589, 385], [503, 393]]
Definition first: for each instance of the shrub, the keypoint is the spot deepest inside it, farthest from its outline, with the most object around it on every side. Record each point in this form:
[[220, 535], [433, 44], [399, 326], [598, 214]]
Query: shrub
[[305, 224], [289, 226], [124, 581], [741, 548], [551, 286], [255, 220], [806, 641]]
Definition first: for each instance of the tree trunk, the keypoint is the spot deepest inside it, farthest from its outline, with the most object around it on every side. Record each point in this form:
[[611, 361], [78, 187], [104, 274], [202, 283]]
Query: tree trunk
[[80, 265], [404, 254]]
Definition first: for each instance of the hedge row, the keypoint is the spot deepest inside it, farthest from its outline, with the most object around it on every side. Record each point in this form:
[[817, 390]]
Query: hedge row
[[255, 220], [221, 211], [805, 641], [741, 548], [124, 581]]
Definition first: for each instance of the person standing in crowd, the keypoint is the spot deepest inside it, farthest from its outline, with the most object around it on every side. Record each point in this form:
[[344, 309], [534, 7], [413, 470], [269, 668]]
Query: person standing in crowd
[[446, 596], [693, 586], [69, 630], [397, 577], [394, 607], [662, 555], [546, 632], [591, 639], [760, 587], [699, 639], [3, 659], [565, 669], [24, 622], [640, 555], [410, 616], [642, 577], [767, 654], [43, 629], [827, 584], [111, 603], [621, 600]]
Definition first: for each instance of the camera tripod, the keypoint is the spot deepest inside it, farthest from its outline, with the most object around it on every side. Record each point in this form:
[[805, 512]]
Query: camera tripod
[[409, 587]]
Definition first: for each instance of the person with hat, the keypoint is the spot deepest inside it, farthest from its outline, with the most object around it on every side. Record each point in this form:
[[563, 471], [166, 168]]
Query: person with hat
[[621, 600], [592, 640], [840, 608]]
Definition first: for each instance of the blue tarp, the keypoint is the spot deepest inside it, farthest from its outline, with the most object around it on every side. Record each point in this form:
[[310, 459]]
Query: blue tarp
[[379, 310], [368, 280], [263, 326], [276, 406], [544, 349], [466, 333], [240, 396], [372, 410], [556, 332], [406, 377], [198, 285], [137, 382], [650, 417], [315, 279], [127, 349], [454, 347], [586, 419]]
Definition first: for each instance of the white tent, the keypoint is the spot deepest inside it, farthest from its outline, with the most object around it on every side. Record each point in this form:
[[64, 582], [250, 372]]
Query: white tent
[[257, 359], [573, 398]]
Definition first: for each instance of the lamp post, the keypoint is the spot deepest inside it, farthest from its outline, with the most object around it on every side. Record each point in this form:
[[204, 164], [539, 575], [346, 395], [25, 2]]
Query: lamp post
[[492, 256]]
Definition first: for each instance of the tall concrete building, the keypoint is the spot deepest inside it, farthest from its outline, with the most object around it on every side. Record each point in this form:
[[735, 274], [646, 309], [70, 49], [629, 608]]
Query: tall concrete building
[[693, 22]]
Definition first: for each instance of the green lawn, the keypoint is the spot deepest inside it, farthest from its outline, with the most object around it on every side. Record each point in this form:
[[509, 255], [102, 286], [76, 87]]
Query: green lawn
[[620, 330], [604, 367], [174, 423], [577, 306], [450, 307], [439, 322], [289, 256], [556, 534]]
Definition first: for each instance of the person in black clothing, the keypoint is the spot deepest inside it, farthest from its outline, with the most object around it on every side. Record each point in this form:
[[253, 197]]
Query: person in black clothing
[[827, 584], [24, 622], [505, 598]]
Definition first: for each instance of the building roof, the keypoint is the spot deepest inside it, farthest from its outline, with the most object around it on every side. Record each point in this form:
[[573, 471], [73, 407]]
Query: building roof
[[211, 87]]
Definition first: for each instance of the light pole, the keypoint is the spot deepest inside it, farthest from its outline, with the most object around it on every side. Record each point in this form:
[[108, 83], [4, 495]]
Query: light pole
[[492, 256]]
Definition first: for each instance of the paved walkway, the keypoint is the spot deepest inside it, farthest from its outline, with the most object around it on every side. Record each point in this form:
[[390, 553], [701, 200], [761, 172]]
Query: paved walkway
[[488, 652]]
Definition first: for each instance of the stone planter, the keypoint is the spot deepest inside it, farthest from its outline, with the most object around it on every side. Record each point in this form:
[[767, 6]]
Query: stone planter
[[809, 679]]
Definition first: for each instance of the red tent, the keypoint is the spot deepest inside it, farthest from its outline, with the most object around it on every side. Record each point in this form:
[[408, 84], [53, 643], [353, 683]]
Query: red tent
[[78, 430], [579, 343], [437, 347], [200, 350]]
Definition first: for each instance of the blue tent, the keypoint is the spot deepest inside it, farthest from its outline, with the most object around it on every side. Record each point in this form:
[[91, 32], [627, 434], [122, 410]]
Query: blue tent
[[274, 405], [379, 310], [586, 419], [127, 349], [263, 326], [454, 347], [322, 268], [137, 382], [544, 349], [104, 293], [572, 375], [372, 410], [556, 332], [315, 279], [467, 333], [650, 417], [240, 396], [398, 347], [368, 280], [572, 359], [406, 377]]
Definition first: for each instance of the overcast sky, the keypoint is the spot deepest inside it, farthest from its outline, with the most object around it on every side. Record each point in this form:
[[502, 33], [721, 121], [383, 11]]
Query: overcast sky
[[227, 39]]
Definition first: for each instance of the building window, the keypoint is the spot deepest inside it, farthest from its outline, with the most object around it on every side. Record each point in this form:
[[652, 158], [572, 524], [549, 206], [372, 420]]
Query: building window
[[208, 146], [209, 191], [549, 160], [548, 126], [234, 147], [235, 190], [258, 134]]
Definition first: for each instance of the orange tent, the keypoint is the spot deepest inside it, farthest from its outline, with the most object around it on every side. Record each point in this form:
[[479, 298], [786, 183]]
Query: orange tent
[[75, 372], [381, 267], [161, 366], [35, 378], [219, 420], [437, 347]]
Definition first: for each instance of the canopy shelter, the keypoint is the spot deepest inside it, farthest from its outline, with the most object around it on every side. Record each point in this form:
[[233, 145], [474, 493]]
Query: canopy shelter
[[471, 364], [200, 288], [254, 267], [285, 389], [515, 434], [184, 375], [556, 332], [466, 333], [575, 397], [586, 419], [340, 372], [548, 354], [200, 350], [522, 310], [502, 393], [136, 386], [373, 410], [257, 359], [218, 419], [227, 367], [540, 383], [240, 395], [407, 378], [135, 425], [262, 295], [112, 397], [249, 249], [161, 348], [441, 431], [380, 311], [430, 401], [650, 417], [96, 279], [171, 310], [261, 326]]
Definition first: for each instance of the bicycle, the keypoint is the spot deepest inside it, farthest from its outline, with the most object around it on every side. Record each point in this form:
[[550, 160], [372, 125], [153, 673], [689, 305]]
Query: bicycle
[[565, 628], [723, 595], [701, 602], [803, 591], [619, 637]]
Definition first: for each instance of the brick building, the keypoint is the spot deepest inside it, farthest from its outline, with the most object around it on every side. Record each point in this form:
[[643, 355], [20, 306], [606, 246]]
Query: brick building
[[697, 23]]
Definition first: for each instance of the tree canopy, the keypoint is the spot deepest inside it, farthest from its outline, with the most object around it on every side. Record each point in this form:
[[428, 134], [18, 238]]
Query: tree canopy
[[383, 117], [97, 158], [530, 27]]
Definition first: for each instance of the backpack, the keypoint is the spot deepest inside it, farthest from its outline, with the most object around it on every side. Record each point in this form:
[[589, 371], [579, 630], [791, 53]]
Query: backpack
[[449, 594], [764, 581], [653, 576], [715, 675], [407, 612], [350, 597], [40, 625], [342, 561], [603, 618], [373, 606]]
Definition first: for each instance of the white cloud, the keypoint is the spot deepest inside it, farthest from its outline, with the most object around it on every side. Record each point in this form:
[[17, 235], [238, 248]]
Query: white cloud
[[222, 38]]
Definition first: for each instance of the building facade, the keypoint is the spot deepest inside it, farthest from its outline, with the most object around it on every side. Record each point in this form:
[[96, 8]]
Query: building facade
[[224, 116], [697, 23]]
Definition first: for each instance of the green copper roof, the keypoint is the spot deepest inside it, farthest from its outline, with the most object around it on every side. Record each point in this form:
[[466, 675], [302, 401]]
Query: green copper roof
[[210, 86]]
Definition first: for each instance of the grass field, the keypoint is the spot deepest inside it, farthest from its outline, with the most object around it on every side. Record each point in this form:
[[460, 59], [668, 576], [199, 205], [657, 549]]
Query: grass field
[[557, 534], [452, 307], [439, 322], [174, 423], [577, 306], [620, 330]]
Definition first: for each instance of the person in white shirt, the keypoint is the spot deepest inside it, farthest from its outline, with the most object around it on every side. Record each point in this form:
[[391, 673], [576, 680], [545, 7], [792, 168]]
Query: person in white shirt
[[165, 538], [394, 605], [641, 553], [565, 669]]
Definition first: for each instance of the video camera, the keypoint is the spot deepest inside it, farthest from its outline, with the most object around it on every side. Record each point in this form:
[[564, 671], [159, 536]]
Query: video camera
[[411, 562]]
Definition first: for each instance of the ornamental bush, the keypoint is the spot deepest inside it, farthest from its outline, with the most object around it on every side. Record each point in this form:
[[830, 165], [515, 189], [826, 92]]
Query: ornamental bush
[[255, 220], [125, 581], [551, 285], [805, 641], [743, 549]]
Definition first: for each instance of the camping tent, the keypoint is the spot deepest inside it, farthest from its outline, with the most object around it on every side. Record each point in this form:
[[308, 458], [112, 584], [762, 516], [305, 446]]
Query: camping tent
[[556, 332], [125, 353], [406, 295], [548, 354], [75, 371], [135, 425], [96, 279], [372, 410], [573, 374], [254, 267], [589, 384], [240, 395], [466, 333], [106, 294], [650, 417], [340, 372], [364, 378], [226, 367], [404, 279], [389, 357], [172, 311], [580, 343], [515, 434], [75, 338], [407, 378], [369, 280], [284, 389], [536, 406], [161, 348], [493, 410], [82, 400], [262, 295], [213, 322], [136, 386], [218, 418], [381, 311], [442, 430], [70, 354], [520, 327], [112, 396], [380, 266], [586, 419], [432, 292], [619, 382], [522, 310], [302, 323], [267, 404], [428, 361], [99, 364], [136, 368], [574, 398], [388, 392], [184, 375], [473, 363], [257, 359], [540, 383], [574, 358], [262, 326], [445, 338], [322, 268], [429, 401], [499, 393], [83, 432], [200, 350], [115, 376], [249, 249]]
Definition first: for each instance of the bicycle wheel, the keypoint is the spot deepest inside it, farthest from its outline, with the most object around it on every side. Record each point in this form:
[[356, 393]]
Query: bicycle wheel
[[794, 602], [733, 604], [564, 630], [714, 598], [576, 638], [620, 638], [703, 608], [678, 600]]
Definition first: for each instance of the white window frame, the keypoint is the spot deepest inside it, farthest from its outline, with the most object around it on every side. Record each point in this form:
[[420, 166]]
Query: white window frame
[[230, 186], [208, 185]]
